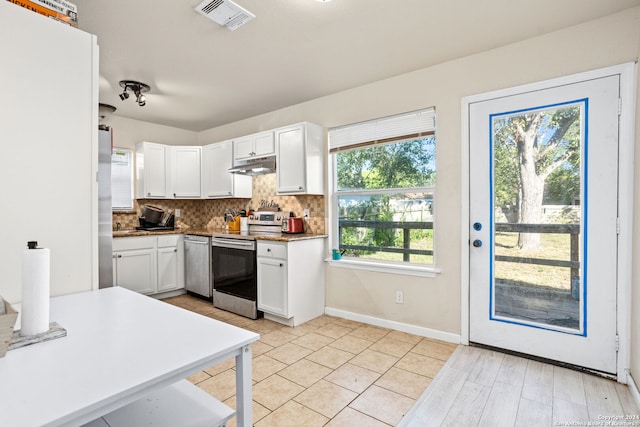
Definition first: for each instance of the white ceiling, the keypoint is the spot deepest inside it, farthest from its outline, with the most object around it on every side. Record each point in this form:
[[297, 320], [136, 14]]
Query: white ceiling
[[203, 75]]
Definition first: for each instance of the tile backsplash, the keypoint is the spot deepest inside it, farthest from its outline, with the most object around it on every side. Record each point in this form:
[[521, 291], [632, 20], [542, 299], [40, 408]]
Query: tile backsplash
[[207, 213]]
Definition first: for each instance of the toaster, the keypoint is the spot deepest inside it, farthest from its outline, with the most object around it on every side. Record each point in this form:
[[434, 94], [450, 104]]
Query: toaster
[[293, 225]]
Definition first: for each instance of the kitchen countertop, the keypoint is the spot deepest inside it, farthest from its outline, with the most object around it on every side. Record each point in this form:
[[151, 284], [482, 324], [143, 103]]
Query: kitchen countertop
[[217, 232]]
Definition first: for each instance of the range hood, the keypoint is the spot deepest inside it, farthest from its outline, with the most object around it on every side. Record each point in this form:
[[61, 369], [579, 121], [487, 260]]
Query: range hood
[[256, 166]]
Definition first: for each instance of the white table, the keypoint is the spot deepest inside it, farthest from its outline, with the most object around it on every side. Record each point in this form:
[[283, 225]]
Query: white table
[[120, 345]]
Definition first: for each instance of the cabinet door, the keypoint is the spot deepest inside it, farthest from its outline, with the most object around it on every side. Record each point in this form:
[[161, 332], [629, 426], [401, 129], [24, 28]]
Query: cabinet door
[[136, 270], [243, 148], [216, 161], [155, 171], [263, 144], [168, 269], [291, 173], [272, 286], [185, 171]]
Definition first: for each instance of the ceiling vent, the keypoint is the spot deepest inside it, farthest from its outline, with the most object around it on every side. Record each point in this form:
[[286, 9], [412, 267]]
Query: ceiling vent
[[225, 12]]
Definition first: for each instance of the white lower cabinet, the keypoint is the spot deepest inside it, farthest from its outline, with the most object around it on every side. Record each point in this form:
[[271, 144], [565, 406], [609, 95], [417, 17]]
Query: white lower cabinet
[[291, 280], [272, 286], [170, 262], [135, 270], [149, 264]]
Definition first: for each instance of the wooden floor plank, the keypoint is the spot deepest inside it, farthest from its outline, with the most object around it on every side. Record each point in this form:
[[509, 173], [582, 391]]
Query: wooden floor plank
[[464, 358], [629, 405], [602, 398], [512, 370], [538, 382], [567, 385], [502, 406], [443, 392], [486, 368], [522, 393], [565, 411], [532, 413], [468, 406]]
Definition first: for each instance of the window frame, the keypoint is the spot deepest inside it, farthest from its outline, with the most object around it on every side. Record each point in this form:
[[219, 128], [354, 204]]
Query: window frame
[[393, 267]]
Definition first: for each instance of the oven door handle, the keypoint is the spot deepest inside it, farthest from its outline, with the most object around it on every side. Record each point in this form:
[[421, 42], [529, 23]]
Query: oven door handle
[[226, 243]]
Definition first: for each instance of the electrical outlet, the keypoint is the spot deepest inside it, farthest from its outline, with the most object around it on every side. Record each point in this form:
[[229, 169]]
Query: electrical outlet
[[399, 297], [306, 213], [177, 213]]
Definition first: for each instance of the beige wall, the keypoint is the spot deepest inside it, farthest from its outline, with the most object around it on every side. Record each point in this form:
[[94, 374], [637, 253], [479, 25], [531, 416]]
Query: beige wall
[[435, 303], [128, 132]]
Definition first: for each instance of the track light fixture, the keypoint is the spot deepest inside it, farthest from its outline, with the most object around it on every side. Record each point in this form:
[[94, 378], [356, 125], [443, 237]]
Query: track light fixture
[[137, 88]]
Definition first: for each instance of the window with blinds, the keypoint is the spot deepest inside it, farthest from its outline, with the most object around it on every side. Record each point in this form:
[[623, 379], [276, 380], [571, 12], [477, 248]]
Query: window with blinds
[[121, 179], [383, 188]]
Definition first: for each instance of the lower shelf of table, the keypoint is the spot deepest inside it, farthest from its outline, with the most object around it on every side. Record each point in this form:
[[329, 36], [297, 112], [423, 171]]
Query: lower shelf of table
[[180, 404]]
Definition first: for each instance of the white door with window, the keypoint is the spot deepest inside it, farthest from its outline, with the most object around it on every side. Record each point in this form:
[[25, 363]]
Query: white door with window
[[543, 222]]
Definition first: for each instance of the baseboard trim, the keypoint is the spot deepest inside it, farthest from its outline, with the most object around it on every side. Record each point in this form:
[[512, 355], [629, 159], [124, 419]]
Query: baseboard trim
[[392, 324], [633, 387]]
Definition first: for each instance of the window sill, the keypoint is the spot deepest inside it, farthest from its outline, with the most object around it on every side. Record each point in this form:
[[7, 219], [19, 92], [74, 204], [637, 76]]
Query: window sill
[[384, 267]]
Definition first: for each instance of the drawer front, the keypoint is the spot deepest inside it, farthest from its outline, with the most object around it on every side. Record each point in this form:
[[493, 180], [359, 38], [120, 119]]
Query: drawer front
[[137, 242], [168, 240], [272, 250]]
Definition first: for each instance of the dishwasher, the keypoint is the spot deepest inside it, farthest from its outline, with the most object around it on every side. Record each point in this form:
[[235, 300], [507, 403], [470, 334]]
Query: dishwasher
[[197, 261]]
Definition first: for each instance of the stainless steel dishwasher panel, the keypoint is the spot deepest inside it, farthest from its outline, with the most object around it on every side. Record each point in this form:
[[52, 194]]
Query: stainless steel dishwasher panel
[[197, 258]]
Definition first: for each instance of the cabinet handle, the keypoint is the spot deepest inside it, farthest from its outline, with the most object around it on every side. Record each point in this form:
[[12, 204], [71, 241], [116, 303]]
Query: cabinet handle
[[175, 250], [299, 188], [174, 194], [281, 264], [119, 256], [148, 194], [229, 192], [268, 250]]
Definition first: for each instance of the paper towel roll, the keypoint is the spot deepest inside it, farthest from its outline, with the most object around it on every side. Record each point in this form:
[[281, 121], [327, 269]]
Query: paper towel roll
[[35, 291], [244, 223]]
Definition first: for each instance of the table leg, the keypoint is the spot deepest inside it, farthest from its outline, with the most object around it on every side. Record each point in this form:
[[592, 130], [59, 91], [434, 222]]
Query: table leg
[[243, 388]]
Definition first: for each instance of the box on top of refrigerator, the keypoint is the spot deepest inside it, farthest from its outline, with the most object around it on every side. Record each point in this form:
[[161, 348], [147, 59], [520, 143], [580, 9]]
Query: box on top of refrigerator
[[60, 10]]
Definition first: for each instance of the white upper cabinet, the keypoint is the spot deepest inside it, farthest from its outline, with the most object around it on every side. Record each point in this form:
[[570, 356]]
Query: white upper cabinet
[[217, 182], [256, 145], [300, 155], [185, 172], [167, 172], [151, 171]]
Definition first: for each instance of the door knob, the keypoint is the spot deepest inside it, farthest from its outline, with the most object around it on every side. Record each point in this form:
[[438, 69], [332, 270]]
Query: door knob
[[477, 243]]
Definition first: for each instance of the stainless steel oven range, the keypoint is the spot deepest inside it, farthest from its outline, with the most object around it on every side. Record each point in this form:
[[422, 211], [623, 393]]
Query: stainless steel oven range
[[235, 285], [233, 259]]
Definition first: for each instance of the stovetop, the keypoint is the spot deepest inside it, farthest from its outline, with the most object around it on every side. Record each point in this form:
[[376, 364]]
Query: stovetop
[[155, 228]]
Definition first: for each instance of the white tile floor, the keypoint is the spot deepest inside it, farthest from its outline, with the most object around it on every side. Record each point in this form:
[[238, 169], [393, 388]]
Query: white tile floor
[[328, 371]]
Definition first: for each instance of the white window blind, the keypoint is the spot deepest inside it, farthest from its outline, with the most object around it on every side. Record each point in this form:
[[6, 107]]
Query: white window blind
[[121, 179], [417, 123]]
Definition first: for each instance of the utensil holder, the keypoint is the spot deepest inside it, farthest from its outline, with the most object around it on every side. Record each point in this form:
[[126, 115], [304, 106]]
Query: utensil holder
[[235, 224], [7, 323]]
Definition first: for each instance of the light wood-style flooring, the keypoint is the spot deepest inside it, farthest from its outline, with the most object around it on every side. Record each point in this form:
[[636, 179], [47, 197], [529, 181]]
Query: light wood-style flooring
[[479, 387]]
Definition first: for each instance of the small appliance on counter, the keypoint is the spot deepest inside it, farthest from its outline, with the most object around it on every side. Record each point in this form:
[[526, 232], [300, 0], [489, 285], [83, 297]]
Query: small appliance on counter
[[292, 225], [156, 219]]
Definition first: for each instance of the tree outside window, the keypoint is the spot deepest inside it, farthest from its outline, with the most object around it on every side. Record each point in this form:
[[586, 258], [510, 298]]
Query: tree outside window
[[385, 200]]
